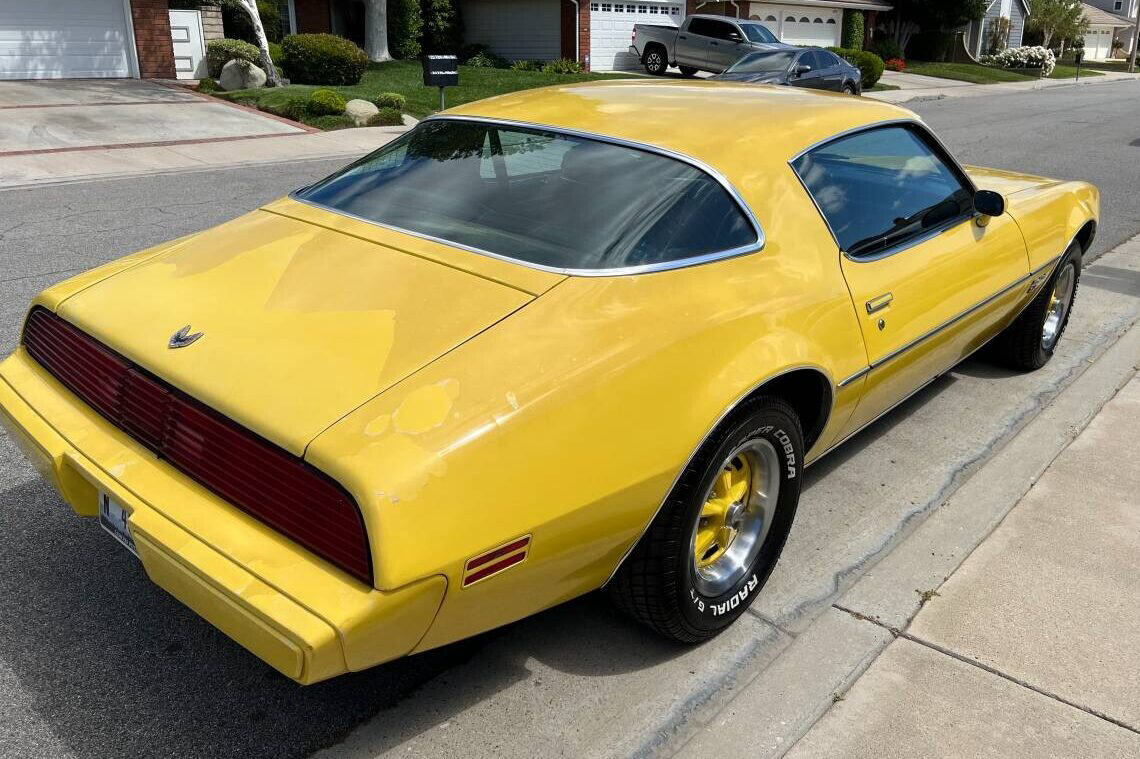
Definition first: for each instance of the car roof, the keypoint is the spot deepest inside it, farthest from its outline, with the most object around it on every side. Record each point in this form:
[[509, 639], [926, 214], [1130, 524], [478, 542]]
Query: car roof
[[714, 122]]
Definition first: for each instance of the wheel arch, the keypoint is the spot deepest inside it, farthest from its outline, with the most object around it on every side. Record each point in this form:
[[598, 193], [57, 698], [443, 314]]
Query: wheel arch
[[1086, 234]]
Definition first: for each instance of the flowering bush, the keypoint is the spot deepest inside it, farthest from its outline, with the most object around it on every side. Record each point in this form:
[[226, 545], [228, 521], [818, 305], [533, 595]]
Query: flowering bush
[[895, 64], [1028, 57]]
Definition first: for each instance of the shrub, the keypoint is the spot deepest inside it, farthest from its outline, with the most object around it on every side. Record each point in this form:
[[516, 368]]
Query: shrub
[[853, 29], [886, 48], [237, 24], [487, 61], [405, 27], [295, 109], [895, 64], [562, 66], [207, 84], [323, 59], [870, 65], [390, 100], [387, 117], [1025, 58], [330, 122], [221, 52], [526, 66], [443, 26], [326, 103]]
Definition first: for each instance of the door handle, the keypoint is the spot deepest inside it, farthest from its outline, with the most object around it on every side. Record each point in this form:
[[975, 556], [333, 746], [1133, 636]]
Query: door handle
[[682, 37], [879, 303]]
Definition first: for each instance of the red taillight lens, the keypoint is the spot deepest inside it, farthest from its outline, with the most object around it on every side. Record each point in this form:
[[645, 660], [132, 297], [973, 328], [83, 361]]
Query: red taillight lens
[[254, 475]]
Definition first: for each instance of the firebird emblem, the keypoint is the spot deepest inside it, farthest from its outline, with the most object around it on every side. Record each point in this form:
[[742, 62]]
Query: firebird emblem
[[182, 337]]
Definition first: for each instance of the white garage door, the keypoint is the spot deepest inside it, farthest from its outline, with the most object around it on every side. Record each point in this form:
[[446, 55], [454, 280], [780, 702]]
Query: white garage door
[[1098, 44], [53, 39], [518, 30], [800, 24], [611, 28]]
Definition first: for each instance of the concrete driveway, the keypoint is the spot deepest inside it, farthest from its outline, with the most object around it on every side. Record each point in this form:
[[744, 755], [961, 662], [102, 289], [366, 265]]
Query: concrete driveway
[[53, 116]]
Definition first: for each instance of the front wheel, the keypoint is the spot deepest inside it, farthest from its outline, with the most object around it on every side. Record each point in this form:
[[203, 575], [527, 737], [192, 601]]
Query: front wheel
[[850, 89], [710, 549], [654, 61], [1028, 343]]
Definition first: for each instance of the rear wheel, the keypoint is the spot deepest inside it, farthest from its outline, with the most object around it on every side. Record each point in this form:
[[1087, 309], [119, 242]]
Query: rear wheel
[[710, 549], [655, 60], [687, 71], [1028, 343]]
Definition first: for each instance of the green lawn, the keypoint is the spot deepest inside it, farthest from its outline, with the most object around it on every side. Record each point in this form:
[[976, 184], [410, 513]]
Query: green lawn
[[406, 78], [964, 72], [880, 87], [1119, 66], [972, 72]]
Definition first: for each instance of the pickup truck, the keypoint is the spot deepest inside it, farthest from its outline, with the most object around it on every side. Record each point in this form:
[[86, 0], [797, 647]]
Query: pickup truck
[[701, 43]]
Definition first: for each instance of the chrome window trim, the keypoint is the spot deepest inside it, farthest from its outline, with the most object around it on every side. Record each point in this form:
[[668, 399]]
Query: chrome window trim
[[940, 149], [681, 263]]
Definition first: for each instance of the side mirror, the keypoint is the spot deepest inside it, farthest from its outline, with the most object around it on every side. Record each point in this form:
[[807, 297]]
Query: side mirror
[[735, 37], [988, 203], [802, 68]]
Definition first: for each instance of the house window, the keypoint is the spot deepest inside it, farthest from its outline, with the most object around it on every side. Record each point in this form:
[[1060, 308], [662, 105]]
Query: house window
[[1118, 5], [288, 17], [593, 6]]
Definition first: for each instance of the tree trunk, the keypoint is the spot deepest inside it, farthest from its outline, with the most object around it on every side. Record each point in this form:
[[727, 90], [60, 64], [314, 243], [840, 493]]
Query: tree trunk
[[271, 79], [1047, 35], [376, 30]]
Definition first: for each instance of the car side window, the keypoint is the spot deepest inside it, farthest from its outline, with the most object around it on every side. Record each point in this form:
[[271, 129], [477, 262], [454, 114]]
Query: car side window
[[721, 31], [820, 60], [701, 26], [831, 58], [880, 188]]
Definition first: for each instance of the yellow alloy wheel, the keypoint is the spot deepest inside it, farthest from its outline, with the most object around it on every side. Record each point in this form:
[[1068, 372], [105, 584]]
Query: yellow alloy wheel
[[735, 516]]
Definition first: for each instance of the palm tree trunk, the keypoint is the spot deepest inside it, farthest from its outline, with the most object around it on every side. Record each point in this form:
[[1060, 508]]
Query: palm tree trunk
[[271, 79], [376, 30]]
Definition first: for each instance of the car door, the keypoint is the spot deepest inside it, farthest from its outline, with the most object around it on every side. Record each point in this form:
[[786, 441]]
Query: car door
[[830, 70], [692, 46], [726, 46], [809, 78], [928, 282]]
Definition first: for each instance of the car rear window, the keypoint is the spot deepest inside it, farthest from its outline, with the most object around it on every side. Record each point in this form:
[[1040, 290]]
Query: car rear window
[[540, 197]]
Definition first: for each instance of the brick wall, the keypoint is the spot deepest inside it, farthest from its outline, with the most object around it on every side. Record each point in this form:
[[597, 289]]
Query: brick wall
[[151, 19], [584, 33], [312, 16], [212, 23]]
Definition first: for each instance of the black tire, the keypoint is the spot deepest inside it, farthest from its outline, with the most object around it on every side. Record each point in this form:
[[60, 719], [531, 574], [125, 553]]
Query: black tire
[[1023, 344], [658, 583], [655, 60], [687, 71], [850, 89]]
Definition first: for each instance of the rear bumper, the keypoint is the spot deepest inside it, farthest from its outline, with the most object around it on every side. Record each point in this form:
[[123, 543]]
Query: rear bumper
[[305, 618]]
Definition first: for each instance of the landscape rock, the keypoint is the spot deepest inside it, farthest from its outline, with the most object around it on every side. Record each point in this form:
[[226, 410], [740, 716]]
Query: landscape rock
[[360, 111], [241, 75]]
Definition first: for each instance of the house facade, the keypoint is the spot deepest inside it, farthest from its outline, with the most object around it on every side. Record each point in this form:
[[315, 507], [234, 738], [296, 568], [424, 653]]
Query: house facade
[[1110, 28], [1002, 26]]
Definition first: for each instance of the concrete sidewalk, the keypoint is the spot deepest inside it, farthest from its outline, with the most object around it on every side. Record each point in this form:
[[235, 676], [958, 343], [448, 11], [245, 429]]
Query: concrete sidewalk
[[1030, 647], [918, 87], [101, 163]]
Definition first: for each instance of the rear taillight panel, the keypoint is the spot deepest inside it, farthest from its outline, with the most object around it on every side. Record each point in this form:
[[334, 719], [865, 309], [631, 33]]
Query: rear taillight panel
[[254, 475]]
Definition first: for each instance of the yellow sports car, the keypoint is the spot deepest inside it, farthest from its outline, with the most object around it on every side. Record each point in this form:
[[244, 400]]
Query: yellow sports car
[[559, 340]]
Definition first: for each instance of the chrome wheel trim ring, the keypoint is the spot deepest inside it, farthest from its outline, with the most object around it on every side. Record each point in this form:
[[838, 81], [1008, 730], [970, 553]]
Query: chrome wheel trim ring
[[755, 520], [653, 60], [1060, 300]]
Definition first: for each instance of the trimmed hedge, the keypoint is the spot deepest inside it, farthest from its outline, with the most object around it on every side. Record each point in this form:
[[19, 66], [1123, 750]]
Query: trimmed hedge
[[221, 52], [870, 65], [326, 103], [323, 59], [328, 123], [207, 84], [390, 100], [387, 117], [886, 48], [853, 29], [295, 109]]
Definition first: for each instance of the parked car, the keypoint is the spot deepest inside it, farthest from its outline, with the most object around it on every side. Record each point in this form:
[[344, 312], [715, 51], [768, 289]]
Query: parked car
[[570, 338], [701, 43], [814, 68]]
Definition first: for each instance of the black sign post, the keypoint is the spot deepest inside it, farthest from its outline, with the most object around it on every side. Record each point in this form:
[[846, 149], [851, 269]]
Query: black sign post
[[441, 71]]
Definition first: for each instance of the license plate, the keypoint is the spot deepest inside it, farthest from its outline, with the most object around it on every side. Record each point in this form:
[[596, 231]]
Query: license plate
[[113, 518]]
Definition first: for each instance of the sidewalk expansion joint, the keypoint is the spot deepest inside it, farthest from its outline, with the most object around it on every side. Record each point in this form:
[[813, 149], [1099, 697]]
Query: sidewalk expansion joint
[[991, 670]]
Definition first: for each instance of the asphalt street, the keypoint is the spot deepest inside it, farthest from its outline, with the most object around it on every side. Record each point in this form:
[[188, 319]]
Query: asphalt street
[[95, 661]]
